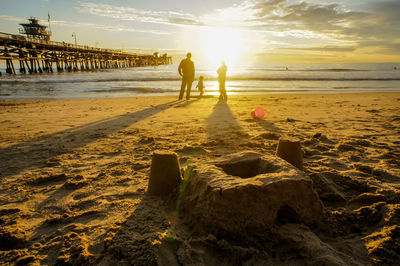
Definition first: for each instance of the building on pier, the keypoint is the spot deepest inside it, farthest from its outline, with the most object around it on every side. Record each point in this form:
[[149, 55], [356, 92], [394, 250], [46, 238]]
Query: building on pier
[[34, 30]]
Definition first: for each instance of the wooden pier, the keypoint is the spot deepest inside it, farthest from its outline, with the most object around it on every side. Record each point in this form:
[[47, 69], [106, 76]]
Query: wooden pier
[[35, 53], [38, 56]]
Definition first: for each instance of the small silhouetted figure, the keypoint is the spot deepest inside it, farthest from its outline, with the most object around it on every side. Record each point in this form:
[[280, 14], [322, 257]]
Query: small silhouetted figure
[[395, 68], [186, 70], [221, 81], [200, 85]]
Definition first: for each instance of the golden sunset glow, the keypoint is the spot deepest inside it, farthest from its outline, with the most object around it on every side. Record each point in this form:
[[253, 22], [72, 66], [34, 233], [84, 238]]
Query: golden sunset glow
[[212, 132], [240, 30], [223, 44]]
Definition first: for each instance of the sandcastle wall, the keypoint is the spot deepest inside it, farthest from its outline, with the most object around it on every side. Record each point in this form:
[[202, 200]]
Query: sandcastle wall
[[270, 191]]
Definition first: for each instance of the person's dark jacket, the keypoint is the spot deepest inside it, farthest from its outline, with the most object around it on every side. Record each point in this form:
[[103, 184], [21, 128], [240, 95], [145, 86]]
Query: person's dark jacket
[[186, 69]]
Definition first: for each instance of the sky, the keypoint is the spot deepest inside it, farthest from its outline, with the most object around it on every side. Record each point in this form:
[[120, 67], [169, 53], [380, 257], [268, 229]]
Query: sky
[[231, 30]]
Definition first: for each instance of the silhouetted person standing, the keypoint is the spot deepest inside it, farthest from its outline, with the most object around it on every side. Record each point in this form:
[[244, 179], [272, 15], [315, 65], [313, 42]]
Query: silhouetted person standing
[[221, 81], [186, 70]]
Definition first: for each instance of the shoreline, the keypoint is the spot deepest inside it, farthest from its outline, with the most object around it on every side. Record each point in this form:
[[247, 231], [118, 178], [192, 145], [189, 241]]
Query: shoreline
[[76, 171], [214, 94]]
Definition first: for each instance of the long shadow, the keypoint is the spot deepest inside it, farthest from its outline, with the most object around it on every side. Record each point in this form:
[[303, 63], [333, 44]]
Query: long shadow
[[222, 125], [186, 103], [268, 126], [35, 152], [133, 241]]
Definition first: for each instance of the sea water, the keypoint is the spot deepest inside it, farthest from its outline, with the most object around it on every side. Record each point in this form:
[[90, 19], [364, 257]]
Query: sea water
[[242, 79]]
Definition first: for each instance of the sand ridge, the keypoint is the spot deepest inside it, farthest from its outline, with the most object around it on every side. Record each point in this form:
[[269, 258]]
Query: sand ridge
[[74, 174]]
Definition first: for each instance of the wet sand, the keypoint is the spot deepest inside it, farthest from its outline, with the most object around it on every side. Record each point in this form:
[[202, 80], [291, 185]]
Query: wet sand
[[74, 175]]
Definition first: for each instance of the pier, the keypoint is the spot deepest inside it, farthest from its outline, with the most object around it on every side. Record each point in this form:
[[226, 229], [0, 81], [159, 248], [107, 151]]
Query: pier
[[35, 53]]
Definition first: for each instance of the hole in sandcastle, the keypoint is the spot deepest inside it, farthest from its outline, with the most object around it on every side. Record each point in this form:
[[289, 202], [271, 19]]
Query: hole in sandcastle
[[286, 215], [248, 167]]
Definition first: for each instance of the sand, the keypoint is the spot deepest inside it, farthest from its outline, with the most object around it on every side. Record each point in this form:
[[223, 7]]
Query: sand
[[74, 175]]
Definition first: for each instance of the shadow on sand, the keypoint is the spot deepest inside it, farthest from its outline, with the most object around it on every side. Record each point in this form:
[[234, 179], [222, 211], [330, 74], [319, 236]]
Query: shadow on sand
[[35, 152], [222, 123], [268, 126], [135, 241], [185, 103]]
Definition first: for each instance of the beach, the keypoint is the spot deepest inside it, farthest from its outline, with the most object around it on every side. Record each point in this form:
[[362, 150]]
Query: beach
[[74, 176]]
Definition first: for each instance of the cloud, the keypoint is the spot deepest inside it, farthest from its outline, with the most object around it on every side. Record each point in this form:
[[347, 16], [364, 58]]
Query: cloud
[[11, 18], [326, 48], [88, 25], [280, 15], [106, 27], [378, 24], [374, 26], [133, 14]]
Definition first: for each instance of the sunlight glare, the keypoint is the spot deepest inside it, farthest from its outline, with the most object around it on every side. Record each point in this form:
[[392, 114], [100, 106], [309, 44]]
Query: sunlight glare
[[223, 44]]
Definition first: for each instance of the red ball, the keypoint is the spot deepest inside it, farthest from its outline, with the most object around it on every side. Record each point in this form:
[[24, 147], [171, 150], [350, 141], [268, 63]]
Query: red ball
[[259, 113]]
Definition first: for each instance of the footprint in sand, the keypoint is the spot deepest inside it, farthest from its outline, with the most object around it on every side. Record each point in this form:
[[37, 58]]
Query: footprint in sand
[[76, 182], [47, 179]]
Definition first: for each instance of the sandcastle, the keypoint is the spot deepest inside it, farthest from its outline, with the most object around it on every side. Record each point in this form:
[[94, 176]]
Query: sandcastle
[[246, 192], [290, 151], [165, 173]]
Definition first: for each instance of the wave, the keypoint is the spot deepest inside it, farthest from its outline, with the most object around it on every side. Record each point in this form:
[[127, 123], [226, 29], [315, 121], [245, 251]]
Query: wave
[[283, 69], [33, 81], [361, 87], [335, 70], [138, 90], [312, 79], [231, 89]]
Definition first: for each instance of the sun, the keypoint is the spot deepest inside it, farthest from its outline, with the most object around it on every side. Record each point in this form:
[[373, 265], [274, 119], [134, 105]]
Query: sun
[[222, 44]]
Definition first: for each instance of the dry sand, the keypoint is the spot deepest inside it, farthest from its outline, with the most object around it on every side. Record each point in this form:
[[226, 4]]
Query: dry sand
[[74, 174]]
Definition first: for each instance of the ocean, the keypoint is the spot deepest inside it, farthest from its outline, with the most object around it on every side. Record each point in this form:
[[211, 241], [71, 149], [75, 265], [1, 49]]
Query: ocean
[[242, 79]]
